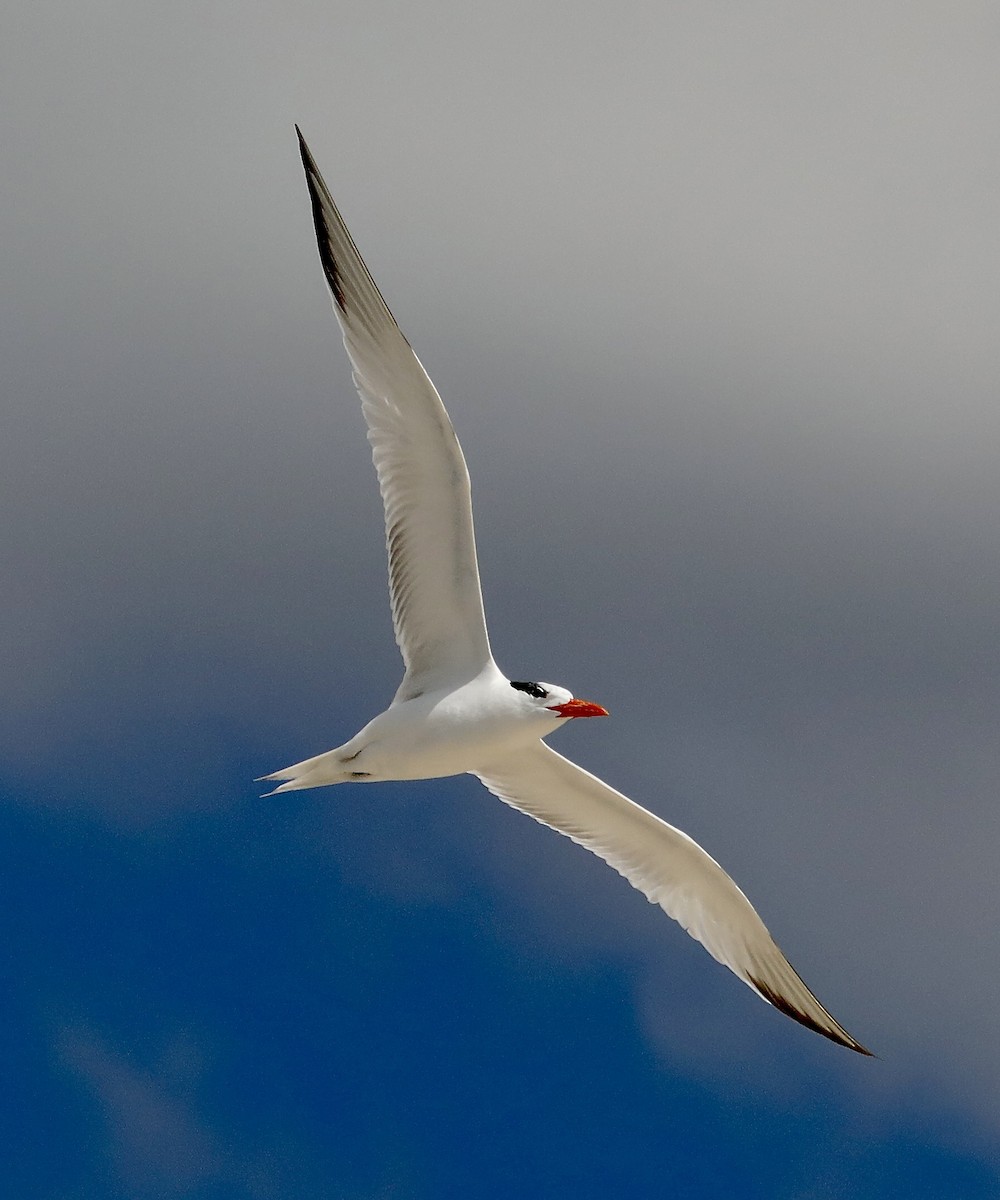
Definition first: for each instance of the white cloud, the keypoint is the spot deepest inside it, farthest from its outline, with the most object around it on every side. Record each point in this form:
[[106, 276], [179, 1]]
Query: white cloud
[[156, 1144]]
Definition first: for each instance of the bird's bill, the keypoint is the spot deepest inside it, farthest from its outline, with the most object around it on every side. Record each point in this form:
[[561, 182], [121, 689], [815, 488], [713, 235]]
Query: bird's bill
[[578, 708]]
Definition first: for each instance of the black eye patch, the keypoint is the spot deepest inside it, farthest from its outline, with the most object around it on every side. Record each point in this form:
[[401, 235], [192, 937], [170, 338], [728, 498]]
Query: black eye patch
[[532, 689]]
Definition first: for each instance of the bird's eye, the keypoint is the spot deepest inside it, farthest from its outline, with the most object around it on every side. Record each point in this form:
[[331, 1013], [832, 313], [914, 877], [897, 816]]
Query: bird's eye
[[532, 689]]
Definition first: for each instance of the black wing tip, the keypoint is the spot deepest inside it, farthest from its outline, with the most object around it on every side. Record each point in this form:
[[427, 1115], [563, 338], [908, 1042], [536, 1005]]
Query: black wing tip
[[838, 1035], [312, 171], [304, 152], [317, 188], [306, 155]]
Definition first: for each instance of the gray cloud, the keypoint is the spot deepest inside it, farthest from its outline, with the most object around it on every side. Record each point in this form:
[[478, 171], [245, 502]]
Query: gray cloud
[[711, 295]]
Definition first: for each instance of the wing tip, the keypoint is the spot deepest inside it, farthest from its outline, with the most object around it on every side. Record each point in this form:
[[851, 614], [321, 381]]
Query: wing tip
[[305, 153], [835, 1032], [317, 196]]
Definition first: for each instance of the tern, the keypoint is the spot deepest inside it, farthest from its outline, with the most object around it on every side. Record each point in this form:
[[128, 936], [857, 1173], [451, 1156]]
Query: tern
[[455, 712]]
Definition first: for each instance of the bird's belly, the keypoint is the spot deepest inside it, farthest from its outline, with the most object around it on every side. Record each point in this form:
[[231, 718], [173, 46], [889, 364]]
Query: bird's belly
[[436, 746]]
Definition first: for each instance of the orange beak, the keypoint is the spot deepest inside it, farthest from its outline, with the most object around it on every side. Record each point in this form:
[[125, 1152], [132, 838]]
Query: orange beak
[[578, 708]]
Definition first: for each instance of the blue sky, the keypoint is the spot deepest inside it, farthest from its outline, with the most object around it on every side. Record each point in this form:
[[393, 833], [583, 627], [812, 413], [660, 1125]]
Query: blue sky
[[710, 296]]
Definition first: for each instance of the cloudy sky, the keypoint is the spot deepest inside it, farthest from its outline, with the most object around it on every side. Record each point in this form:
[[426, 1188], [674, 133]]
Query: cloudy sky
[[711, 293]]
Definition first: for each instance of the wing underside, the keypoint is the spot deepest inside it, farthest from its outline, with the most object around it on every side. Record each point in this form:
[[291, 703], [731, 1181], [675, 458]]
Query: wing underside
[[437, 606], [668, 867]]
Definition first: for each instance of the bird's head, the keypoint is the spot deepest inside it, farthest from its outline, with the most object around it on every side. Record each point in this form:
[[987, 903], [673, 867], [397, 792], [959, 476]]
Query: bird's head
[[548, 697]]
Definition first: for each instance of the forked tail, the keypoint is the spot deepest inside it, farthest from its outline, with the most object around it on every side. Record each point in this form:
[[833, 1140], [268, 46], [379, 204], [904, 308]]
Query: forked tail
[[321, 771]]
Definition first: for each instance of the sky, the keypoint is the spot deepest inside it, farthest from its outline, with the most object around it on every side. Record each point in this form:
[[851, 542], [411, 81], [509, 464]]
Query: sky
[[710, 292]]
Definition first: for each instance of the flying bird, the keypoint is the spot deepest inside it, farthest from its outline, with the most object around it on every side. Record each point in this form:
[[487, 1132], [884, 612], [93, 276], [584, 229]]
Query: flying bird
[[455, 711]]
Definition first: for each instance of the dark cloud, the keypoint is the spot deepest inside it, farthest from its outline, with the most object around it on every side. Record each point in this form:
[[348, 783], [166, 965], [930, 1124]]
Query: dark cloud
[[711, 299]]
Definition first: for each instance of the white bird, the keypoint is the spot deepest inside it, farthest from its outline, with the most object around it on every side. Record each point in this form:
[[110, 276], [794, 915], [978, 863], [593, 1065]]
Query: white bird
[[455, 711]]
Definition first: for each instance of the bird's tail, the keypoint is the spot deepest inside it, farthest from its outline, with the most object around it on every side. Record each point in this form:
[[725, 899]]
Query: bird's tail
[[321, 771]]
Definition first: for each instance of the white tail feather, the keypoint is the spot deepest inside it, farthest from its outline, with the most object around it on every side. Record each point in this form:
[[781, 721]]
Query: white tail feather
[[321, 771]]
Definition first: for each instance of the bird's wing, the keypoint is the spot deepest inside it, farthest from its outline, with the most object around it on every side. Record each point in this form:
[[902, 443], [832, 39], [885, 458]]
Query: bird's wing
[[437, 605], [667, 866]]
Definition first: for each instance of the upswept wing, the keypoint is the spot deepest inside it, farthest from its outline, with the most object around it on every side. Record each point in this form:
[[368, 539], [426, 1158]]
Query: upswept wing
[[668, 867], [437, 604]]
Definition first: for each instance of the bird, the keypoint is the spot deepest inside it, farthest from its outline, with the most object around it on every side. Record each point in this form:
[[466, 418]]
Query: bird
[[455, 712]]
